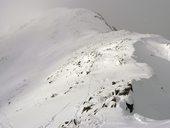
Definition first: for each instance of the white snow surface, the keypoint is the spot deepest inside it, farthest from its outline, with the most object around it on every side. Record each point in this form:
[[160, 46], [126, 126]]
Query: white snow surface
[[67, 68]]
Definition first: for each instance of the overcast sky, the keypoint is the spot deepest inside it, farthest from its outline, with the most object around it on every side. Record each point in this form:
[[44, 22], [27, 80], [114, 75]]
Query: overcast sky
[[145, 16]]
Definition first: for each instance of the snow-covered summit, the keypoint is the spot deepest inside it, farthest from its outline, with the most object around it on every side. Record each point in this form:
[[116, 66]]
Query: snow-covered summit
[[53, 33], [69, 68]]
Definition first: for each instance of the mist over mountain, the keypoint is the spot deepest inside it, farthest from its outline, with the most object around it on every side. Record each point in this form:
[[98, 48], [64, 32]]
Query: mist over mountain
[[135, 15], [69, 68]]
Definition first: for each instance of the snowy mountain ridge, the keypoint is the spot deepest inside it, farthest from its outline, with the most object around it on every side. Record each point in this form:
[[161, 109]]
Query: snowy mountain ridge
[[69, 69]]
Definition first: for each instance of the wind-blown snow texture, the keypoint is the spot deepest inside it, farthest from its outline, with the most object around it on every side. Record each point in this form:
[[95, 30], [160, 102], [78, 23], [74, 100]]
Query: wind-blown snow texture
[[69, 69]]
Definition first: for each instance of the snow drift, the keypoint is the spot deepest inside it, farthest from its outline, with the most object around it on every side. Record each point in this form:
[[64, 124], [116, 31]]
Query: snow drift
[[69, 69]]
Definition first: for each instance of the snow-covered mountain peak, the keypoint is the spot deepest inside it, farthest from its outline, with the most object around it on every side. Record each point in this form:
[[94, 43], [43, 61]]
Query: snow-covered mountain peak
[[72, 22], [69, 68], [49, 33]]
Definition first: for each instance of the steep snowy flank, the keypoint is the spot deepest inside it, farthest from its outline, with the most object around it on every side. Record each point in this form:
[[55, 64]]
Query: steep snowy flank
[[70, 69], [40, 43]]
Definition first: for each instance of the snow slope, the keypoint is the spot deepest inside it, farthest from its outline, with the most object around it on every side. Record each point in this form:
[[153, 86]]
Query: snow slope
[[69, 69]]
